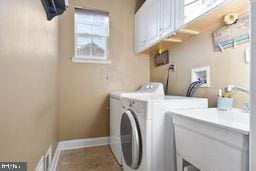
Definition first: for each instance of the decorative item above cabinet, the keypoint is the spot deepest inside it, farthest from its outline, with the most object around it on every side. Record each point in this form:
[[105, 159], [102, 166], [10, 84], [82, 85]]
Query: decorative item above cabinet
[[162, 23]]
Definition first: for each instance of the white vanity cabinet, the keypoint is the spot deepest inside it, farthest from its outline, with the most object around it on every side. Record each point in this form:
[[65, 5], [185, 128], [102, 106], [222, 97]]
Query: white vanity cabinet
[[167, 18], [212, 140], [189, 10], [146, 25]]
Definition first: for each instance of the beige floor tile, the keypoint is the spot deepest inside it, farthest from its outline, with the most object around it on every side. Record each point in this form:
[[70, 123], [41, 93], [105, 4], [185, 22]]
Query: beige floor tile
[[88, 159]]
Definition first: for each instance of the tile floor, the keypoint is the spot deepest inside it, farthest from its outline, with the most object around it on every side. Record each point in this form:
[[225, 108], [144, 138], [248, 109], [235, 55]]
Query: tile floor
[[88, 159]]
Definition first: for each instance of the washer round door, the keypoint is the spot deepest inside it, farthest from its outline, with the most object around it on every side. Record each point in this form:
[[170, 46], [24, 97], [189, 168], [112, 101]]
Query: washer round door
[[131, 140]]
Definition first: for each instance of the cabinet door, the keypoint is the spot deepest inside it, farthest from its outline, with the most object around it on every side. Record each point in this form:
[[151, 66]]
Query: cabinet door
[[146, 25], [151, 23], [211, 4], [189, 10], [194, 9], [139, 31], [167, 17], [179, 14]]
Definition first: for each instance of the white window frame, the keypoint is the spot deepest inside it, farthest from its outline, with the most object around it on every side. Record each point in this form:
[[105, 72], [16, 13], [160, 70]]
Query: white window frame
[[91, 59]]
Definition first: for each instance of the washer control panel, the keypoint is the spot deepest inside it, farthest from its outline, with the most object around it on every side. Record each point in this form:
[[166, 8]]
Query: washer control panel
[[156, 89]]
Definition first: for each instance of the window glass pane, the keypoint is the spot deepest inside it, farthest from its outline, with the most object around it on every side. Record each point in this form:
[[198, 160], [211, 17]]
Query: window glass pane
[[99, 19], [99, 30], [83, 28], [83, 18], [99, 47], [84, 46]]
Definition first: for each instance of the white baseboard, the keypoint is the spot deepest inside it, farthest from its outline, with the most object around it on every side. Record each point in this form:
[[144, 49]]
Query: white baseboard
[[76, 144], [40, 165], [55, 159], [48, 160], [81, 143]]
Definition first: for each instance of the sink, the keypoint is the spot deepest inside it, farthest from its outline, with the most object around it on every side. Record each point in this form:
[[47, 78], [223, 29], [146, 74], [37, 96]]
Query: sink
[[212, 140], [235, 119]]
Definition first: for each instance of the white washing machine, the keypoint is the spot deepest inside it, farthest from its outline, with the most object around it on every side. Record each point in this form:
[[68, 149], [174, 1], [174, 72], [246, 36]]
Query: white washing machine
[[147, 136], [149, 90]]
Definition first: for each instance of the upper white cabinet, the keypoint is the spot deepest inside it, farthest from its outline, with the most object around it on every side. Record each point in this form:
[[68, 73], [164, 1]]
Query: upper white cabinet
[[215, 3], [167, 18], [146, 25], [158, 19], [189, 10]]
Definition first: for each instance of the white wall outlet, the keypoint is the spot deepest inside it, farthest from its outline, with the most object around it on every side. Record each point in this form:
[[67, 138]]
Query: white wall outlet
[[48, 159], [202, 73]]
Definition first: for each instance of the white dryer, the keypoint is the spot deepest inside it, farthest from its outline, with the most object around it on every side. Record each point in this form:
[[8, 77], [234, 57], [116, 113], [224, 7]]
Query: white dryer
[[144, 128], [146, 90]]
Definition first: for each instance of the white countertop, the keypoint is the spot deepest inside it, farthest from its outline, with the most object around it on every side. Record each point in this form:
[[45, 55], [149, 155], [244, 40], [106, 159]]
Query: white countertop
[[236, 119]]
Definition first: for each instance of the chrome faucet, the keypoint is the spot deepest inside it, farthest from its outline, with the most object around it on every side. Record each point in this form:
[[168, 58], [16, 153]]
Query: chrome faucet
[[233, 87], [230, 88]]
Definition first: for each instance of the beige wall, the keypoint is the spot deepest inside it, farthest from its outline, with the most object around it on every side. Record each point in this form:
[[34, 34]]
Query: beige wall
[[28, 88], [227, 67], [84, 88]]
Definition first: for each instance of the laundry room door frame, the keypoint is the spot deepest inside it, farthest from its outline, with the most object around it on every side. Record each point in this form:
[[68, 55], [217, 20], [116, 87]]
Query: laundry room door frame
[[252, 136]]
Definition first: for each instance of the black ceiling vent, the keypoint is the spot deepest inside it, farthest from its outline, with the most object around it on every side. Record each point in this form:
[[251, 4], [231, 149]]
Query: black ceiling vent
[[54, 8]]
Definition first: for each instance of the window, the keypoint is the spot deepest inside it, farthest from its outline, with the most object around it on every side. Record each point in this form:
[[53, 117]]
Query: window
[[91, 36]]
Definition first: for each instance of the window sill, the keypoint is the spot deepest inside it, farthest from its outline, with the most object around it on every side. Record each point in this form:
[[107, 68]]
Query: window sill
[[90, 61]]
